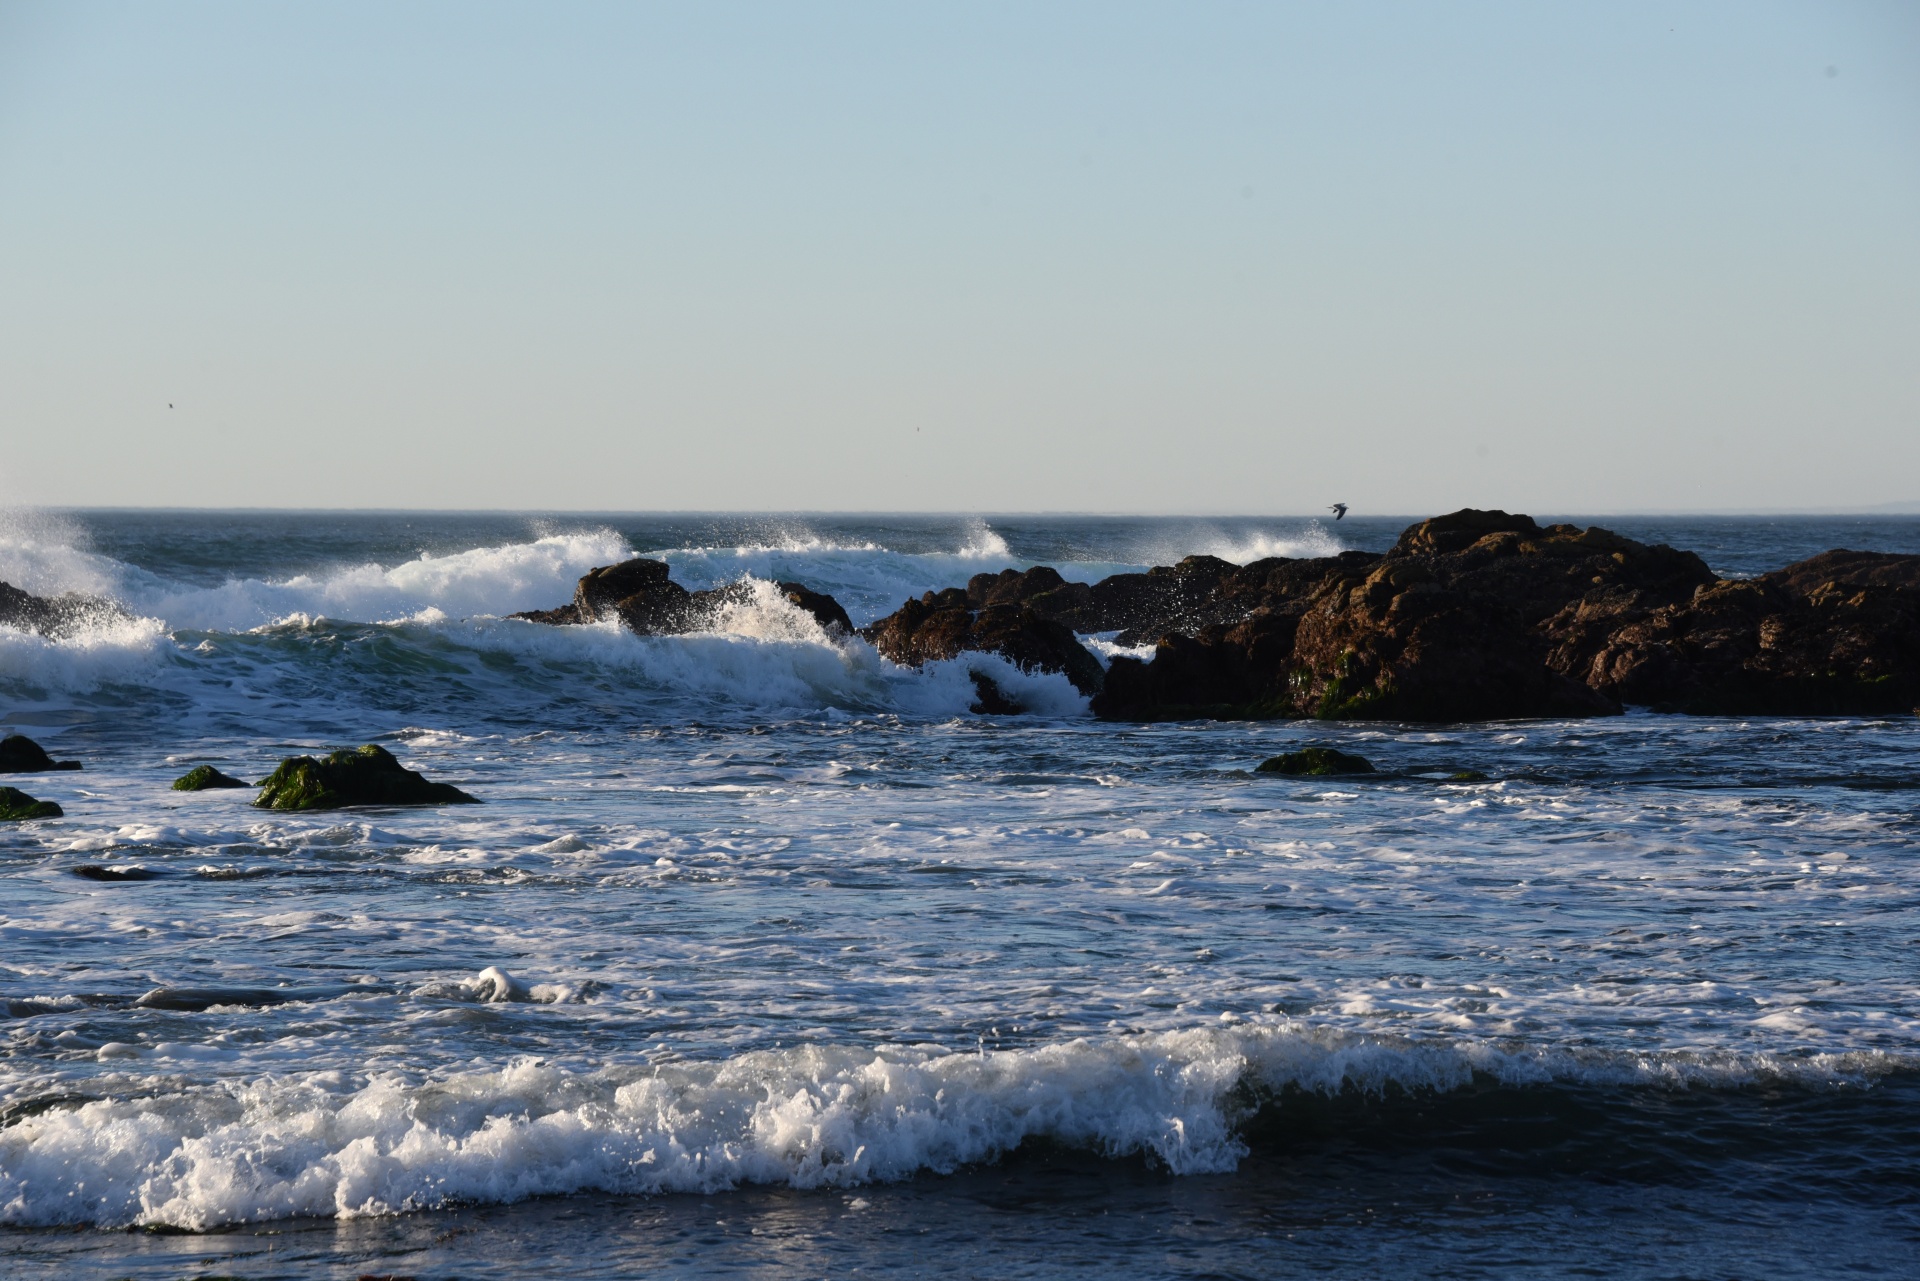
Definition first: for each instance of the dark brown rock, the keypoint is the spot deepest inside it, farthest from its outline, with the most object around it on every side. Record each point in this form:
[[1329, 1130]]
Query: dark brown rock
[[1445, 626], [943, 625], [1836, 634]]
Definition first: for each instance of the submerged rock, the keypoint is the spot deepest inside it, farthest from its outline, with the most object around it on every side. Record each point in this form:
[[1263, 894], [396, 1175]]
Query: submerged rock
[[21, 755], [355, 776], [17, 807], [1316, 760], [202, 777], [103, 872]]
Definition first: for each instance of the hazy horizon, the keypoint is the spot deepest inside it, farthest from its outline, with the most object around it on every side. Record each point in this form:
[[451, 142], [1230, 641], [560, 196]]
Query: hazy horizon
[[1621, 259]]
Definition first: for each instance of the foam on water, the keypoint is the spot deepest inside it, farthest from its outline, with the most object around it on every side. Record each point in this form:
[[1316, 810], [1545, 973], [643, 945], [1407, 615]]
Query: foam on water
[[813, 1116]]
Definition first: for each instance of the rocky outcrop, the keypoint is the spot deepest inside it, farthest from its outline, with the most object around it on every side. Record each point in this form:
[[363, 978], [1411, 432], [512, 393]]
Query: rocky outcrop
[[639, 593], [1448, 625], [356, 776], [1838, 633], [942, 625], [21, 755], [54, 616]]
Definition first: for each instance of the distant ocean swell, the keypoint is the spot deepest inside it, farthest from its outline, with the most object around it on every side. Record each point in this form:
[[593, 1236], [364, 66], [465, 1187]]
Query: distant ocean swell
[[816, 1116]]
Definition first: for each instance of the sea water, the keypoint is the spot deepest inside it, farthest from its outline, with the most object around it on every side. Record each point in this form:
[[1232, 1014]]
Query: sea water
[[765, 956]]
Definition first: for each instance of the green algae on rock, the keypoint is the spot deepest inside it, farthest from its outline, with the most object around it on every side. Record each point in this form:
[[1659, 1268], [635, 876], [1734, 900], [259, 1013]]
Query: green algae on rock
[[202, 777], [17, 807], [1316, 760], [366, 775]]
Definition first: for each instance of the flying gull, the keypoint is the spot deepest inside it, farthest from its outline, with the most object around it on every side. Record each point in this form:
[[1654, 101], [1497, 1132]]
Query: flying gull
[[1338, 510]]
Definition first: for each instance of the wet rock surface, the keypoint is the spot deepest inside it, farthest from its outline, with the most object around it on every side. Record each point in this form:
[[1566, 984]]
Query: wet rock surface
[[366, 775], [646, 601], [203, 778], [947, 624], [17, 807], [21, 755], [1315, 761]]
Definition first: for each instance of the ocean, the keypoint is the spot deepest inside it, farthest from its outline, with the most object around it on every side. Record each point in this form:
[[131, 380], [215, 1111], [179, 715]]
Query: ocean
[[762, 956]]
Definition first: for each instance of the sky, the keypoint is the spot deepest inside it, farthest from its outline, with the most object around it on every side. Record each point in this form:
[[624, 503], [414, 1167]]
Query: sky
[[1206, 258]]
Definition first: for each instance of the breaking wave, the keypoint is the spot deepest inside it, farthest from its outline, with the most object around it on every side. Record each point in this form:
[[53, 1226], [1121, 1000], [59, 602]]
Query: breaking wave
[[815, 1116]]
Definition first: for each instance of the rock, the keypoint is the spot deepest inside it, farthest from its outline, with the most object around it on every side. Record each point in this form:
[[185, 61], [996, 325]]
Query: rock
[[17, 807], [1448, 625], [100, 872], [943, 625], [1465, 776], [202, 777], [647, 602], [21, 755], [1836, 634], [359, 776], [1316, 760], [989, 700], [54, 616], [825, 609]]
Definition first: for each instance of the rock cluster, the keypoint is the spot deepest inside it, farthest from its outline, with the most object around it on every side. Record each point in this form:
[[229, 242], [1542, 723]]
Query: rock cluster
[[1476, 615]]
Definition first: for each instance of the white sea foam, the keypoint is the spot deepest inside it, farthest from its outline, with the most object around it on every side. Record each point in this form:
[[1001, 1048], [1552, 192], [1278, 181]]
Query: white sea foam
[[323, 1144]]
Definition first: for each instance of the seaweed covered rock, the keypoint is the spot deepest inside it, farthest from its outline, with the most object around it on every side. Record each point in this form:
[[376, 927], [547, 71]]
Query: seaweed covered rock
[[17, 807], [1316, 760], [942, 625], [54, 616], [205, 777], [354, 776], [21, 755]]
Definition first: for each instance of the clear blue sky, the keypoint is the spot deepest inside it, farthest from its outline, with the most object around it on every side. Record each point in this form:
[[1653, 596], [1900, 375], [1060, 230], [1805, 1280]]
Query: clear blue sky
[[1165, 257]]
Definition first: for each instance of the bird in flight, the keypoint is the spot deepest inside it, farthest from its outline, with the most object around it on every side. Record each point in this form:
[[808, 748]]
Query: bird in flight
[[1338, 510]]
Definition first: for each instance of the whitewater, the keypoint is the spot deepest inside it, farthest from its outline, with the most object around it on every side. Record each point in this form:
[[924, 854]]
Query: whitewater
[[756, 934]]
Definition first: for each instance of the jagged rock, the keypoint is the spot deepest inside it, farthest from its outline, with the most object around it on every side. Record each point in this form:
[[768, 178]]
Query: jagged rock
[[1316, 760], [639, 593], [1445, 626], [53, 616], [825, 609], [17, 807], [1836, 634], [21, 755], [942, 625], [203, 777], [355, 776]]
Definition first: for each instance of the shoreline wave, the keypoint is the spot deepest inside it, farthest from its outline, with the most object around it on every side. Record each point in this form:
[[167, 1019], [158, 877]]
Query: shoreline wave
[[809, 1117]]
